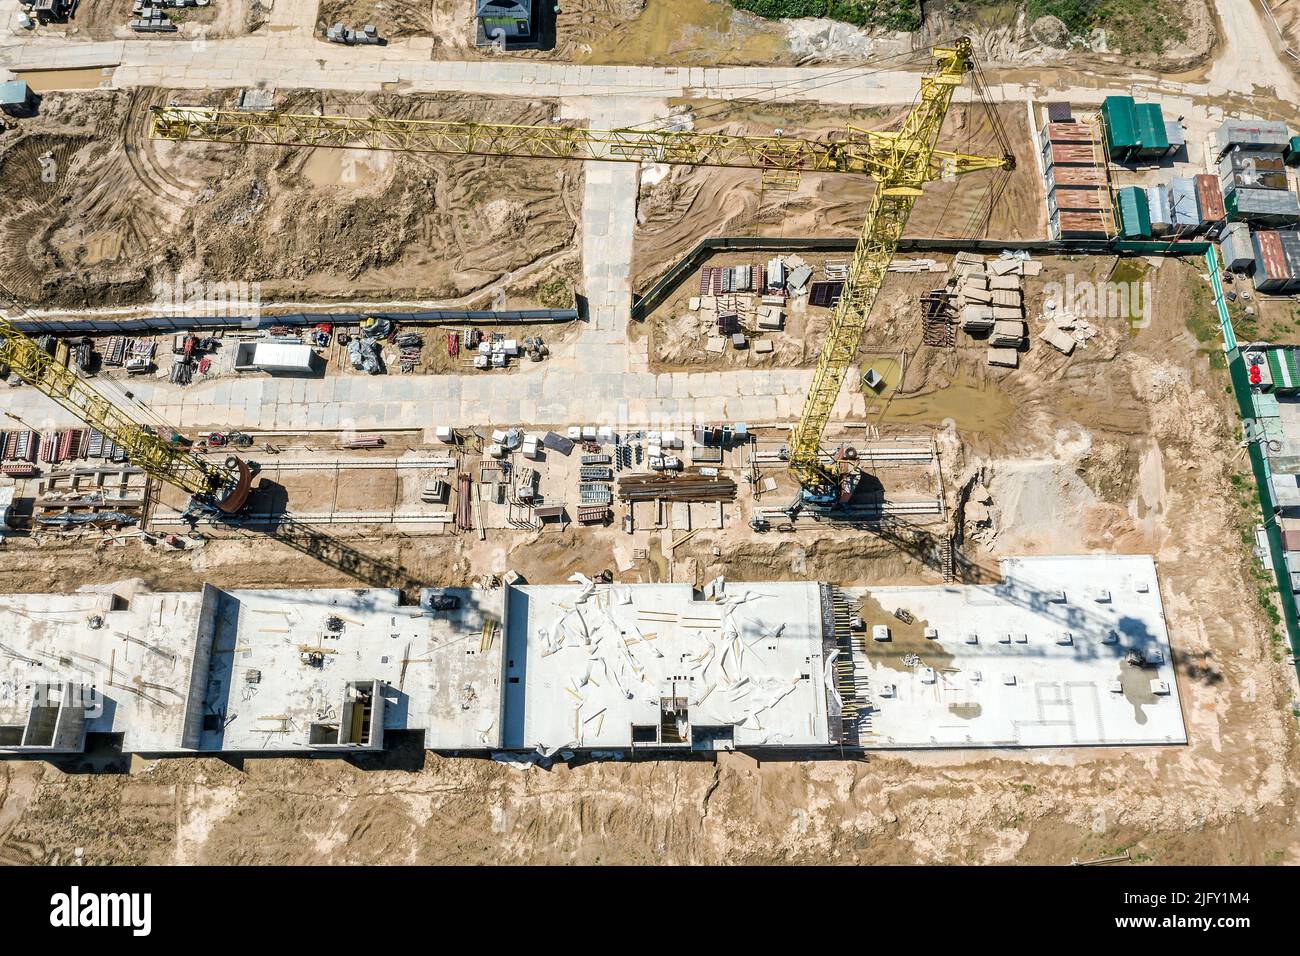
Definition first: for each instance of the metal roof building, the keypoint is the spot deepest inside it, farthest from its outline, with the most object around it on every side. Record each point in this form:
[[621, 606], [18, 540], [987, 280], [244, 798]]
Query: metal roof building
[[1274, 272], [15, 97], [1153, 142], [1237, 249], [1119, 114], [1209, 196], [1184, 210], [1162, 219], [1268, 207], [1252, 169], [1266, 135], [1134, 213]]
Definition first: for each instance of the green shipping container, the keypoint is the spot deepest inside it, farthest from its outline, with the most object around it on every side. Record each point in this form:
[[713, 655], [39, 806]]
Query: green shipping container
[[1151, 131], [1134, 213], [1282, 368], [1119, 113], [1292, 154]]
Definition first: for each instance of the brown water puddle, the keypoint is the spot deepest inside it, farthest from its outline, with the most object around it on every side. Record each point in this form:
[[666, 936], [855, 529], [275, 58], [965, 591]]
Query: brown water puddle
[[975, 408], [46, 81], [904, 639], [328, 167]]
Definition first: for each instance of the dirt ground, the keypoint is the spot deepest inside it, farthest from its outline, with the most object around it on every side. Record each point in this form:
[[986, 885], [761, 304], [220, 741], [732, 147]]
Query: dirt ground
[[713, 33], [677, 336], [128, 211], [666, 32], [1003, 36], [1127, 446], [689, 203], [1287, 16], [107, 20]]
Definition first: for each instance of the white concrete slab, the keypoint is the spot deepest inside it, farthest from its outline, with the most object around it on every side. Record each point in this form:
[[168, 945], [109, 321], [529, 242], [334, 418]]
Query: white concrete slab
[[590, 669], [437, 671], [1033, 690]]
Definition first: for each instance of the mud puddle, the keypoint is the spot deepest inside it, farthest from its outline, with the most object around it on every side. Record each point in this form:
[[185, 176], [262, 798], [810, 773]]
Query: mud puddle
[[46, 81]]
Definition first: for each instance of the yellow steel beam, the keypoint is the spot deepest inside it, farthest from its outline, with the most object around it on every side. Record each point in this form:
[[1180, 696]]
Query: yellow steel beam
[[154, 454], [498, 139], [863, 152]]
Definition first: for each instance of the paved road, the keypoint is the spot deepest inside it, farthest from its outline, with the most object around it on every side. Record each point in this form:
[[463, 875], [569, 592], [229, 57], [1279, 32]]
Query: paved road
[[1249, 58], [546, 394]]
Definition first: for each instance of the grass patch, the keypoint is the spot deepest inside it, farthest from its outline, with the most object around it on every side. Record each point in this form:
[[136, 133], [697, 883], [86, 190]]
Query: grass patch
[[555, 294], [1132, 26], [889, 14]]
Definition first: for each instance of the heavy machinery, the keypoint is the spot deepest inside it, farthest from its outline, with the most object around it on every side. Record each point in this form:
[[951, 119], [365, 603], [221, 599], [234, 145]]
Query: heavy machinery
[[220, 489], [901, 161]]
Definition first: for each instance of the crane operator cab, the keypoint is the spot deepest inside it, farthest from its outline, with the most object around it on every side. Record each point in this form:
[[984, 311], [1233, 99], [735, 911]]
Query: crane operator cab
[[839, 482], [229, 487]]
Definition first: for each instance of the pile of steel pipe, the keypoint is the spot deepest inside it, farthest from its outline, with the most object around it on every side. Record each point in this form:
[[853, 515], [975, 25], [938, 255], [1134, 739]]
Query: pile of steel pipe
[[685, 487]]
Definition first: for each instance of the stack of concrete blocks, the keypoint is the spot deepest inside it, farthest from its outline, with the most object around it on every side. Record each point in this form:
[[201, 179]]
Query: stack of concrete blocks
[[990, 300], [706, 307], [771, 318]]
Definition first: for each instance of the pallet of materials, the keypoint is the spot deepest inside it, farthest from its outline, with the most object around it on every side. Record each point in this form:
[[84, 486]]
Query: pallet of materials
[[1007, 358], [1008, 334], [596, 514], [687, 487], [591, 493], [115, 352], [22, 445], [977, 319], [364, 441]]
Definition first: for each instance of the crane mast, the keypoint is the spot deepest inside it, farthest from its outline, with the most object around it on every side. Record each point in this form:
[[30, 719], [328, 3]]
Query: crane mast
[[906, 160], [901, 161], [224, 488]]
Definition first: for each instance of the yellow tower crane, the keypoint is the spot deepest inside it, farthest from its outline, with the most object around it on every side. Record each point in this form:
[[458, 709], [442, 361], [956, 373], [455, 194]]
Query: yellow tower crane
[[224, 488], [901, 162]]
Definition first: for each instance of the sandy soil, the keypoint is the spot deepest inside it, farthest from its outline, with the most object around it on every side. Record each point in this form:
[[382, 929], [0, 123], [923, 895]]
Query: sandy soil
[[128, 210], [677, 336], [107, 20], [1126, 446], [713, 33], [688, 203], [1003, 37], [669, 32], [1287, 16]]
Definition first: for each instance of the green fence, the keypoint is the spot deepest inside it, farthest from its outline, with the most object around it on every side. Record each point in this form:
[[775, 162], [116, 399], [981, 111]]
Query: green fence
[[1258, 463]]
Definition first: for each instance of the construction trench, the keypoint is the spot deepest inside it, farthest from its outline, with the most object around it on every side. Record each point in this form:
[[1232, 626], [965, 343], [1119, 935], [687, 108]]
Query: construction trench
[[987, 488]]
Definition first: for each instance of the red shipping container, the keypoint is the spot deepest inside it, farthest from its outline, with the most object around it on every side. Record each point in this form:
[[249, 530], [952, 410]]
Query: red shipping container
[[1078, 176], [1079, 199], [1210, 198], [1072, 154], [1271, 254], [1070, 133]]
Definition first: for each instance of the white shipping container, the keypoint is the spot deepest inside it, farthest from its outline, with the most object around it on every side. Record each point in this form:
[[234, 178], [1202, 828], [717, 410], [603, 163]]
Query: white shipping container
[[276, 357]]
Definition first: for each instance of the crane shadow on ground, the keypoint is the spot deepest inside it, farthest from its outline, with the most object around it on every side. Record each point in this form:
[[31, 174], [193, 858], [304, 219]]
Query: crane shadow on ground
[[329, 549]]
